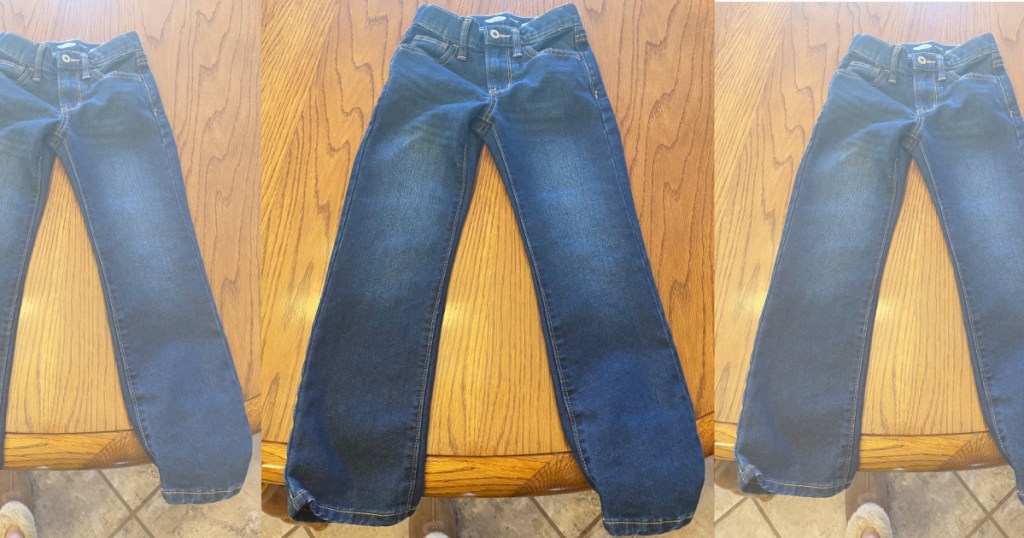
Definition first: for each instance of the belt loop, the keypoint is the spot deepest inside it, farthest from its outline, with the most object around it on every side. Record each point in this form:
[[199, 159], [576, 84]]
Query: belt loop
[[517, 44], [37, 71], [894, 65], [942, 68], [85, 67], [464, 37]]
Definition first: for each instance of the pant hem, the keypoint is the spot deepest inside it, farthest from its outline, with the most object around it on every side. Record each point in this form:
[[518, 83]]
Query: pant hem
[[304, 507], [644, 527], [198, 496], [753, 481]]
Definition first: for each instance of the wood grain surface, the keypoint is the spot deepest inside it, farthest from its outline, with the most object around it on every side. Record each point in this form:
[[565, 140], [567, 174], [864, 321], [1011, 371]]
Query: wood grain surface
[[65, 407], [494, 427], [773, 64]]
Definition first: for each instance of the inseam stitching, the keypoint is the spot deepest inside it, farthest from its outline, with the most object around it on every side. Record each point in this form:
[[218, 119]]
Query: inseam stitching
[[433, 320], [858, 386]]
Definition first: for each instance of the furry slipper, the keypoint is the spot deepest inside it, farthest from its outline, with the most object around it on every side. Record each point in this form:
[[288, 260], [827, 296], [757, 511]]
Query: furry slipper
[[16, 513], [869, 515]]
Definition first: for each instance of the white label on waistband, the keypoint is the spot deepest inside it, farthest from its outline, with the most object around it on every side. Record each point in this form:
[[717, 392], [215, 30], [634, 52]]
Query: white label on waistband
[[499, 18], [65, 46], [924, 46]]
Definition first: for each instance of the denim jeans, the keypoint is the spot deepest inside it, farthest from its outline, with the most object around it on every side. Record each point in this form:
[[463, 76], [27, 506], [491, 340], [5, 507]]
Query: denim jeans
[[96, 108], [529, 90], [952, 110]]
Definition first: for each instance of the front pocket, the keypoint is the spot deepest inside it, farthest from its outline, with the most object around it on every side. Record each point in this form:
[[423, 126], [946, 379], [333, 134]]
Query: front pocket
[[533, 53], [127, 66], [954, 76], [117, 74], [980, 68], [440, 51], [868, 73], [557, 43], [17, 74]]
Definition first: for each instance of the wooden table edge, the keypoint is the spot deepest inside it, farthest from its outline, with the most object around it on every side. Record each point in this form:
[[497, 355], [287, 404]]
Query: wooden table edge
[[88, 450], [488, 476], [934, 452]]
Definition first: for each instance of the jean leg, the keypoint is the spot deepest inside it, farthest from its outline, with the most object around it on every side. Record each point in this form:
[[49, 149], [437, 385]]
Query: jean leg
[[358, 443], [971, 156], [26, 164], [800, 426], [622, 399], [179, 382]]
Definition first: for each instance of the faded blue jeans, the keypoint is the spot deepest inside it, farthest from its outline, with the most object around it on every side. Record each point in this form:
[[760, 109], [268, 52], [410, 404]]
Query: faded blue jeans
[[96, 108], [529, 90], [952, 110]]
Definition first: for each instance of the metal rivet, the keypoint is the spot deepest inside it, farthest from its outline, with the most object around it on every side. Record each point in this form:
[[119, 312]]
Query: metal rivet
[[921, 60], [66, 58], [495, 34]]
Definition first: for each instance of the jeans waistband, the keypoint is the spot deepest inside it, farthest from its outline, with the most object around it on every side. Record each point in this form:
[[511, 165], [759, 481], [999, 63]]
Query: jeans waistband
[[923, 56], [500, 29], [49, 56]]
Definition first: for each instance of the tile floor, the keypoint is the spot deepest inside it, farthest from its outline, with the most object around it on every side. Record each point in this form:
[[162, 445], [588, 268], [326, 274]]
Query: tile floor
[[975, 504], [126, 503], [554, 516]]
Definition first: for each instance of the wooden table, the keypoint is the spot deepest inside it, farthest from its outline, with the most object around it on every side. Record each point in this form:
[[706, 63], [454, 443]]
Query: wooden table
[[494, 427], [773, 64], [65, 409]]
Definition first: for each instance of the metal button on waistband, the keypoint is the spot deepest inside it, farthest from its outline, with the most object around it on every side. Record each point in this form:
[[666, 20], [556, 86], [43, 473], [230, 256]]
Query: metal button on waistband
[[495, 34], [921, 60], [65, 58]]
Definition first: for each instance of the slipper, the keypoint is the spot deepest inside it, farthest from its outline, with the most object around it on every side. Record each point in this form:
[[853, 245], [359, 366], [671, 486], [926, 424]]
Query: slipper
[[869, 515], [434, 518], [16, 513]]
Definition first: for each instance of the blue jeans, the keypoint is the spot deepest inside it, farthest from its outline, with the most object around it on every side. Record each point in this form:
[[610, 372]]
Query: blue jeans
[[529, 90], [952, 110], [96, 108]]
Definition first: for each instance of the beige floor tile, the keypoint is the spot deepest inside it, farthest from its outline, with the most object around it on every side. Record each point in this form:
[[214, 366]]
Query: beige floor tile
[[1010, 516], [803, 516], [274, 527], [238, 516], [493, 518], [724, 500], [131, 529], [703, 523], [134, 483], [745, 521], [572, 512], [988, 530], [75, 503], [931, 504], [989, 485], [400, 530]]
